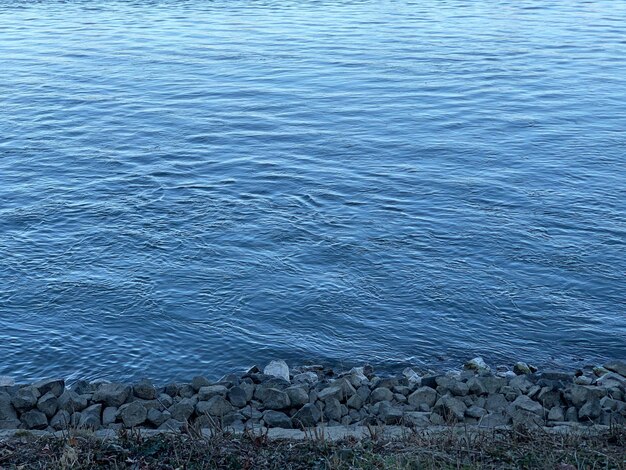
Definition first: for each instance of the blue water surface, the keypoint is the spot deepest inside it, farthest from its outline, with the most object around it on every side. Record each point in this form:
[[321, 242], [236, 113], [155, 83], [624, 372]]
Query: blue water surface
[[197, 186]]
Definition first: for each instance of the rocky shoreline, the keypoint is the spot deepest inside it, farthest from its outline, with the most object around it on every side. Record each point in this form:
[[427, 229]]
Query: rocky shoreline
[[307, 397]]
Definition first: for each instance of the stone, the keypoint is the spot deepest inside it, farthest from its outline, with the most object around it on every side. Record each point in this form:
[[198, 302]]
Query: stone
[[478, 365], [556, 414], [521, 368], [334, 391], [571, 414], [216, 406], [520, 384], [48, 404], [109, 415], [423, 395], [413, 377], [307, 416], [112, 394], [346, 388], [556, 376], [157, 418], [34, 419], [61, 420], [332, 409], [389, 414], [381, 394], [274, 399], [7, 411], [277, 419], [208, 392], [182, 410], [549, 397], [475, 412], [198, 382], [309, 378], [619, 367], [417, 419], [590, 410], [355, 401], [172, 425], [493, 420], [525, 403], [90, 417], [238, 397], [451, 408], [476, 386], [6, 381], [496, 403], [132, 414], [492, 384], [456, 387], [612, 379], [186, 391], [249, 389], [25, 399], [298, 395], [54, 386], [526, 418], [71, 401], [278, 368], [145, 390]]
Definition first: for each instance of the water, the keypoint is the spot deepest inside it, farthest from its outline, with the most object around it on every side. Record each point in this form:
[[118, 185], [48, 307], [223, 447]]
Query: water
[[195, 187]]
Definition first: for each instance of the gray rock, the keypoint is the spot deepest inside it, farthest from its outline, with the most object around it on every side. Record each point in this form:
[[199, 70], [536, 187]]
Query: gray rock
[[186, 391], [389, 414], [9, 424], [132, 414], [556, 414], [571, 414], [478, 365], [90, 417], [492, 384], [298, 395], [307, 416], [521, 368], [524, 403], [216, 406], [309, 378], [590, 410], [71, 401], [332, 409], [520, 384], [476, 386], [381, 394], [556, 376], [417, 419], [54, 386], [549, 397], [278, 368], [451, 408], [145, 390], [454, 386], [172, 425], [412, 377], [249, 389], [274, 399], [198, 382], [238, 397], [612, 379], [496, 402], [493, 420], [34, 419], [619, 367], [6, 381], [276, 419], [7, 412], [157, 418], [206, 393], [363, 392], [25, 399], [61, 420], [182, 410], [334, 391], [355, 401], [475, 412], [165, 401], [109, 415], [526, 418], [423, 395], [48, 404], [112, 394]]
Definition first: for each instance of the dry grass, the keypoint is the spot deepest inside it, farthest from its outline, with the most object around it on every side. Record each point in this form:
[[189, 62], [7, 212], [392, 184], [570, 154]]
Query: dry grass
[[525, 449]]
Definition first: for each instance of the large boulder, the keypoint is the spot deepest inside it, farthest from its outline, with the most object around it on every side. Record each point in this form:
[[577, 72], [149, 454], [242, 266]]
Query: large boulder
[[307, 416], [216, 406], [71, 401], [277, 419], [132, 414], [477, 365], [451, 408], [526, 404], [381, 394], [48, 404], [61, 420], [275, 399], [145, 390], [423, 395], [619, 367], [298, 395], [90, 417], [182, 410], [25, 399], [112, 394], [54, 386], [34, 419], [7, 411], [278, 368], [206, 393], [237, 396]]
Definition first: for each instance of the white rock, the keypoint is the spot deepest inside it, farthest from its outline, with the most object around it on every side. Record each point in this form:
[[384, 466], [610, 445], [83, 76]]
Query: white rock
[[6, 381], [278, 368], [478, 364], [412, 376]]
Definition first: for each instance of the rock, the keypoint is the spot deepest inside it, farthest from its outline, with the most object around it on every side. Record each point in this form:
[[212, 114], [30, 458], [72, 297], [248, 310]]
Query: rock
[[493, 420], [277, 368], [216, 406], [478, 364], [90, 417], [475, 412], [524, 403], [496, 403], [526, 418], [34, 419], [54, 386], [306, 378], [520, 384], [186, 391], [619, 367], [332, 409], [521, 368], [476, 386], [549, 397], [355, 401], [612, 379], [389, 414], [298, 395], [413, 377], [556, 376], [206, 393], [346, 388], [276, 419], [456, 387], [145, 390], [48, 404], [182, 410], [157, 418], [249, 389], [423, 395], [451, 408], [6, 381], [109, 415], [132, 414], [172, 425], [25, 399], [112, 394], [198, 382], [556, 414], [307, 416], [274, 399], [492, 384], [7, 411], [381, 394], [71, 401], [571, 414], [238, 397], [417, 419], [583, 380], [61, 420], [334, 391], [590, 410]]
